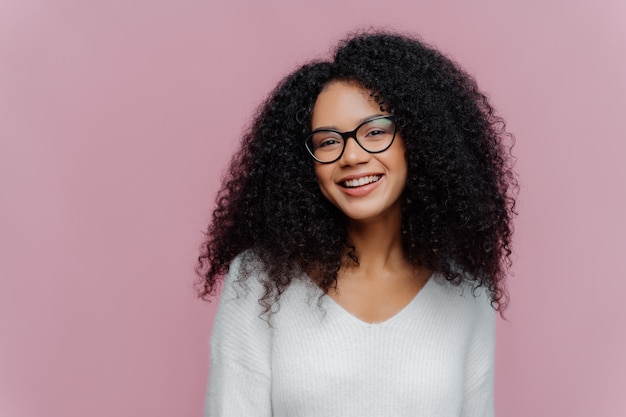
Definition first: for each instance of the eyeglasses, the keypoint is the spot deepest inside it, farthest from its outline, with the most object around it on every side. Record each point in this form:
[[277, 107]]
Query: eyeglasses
[[374, 136]]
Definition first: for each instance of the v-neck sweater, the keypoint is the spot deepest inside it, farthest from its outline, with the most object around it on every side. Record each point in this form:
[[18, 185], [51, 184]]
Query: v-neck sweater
[[434, 358]]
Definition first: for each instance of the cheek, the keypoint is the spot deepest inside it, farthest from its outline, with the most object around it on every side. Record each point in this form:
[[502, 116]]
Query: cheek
[[323, 173], [401, 159]]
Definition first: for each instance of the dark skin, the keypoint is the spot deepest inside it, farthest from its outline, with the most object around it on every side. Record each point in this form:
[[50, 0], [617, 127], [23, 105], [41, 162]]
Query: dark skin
[[384, 281]]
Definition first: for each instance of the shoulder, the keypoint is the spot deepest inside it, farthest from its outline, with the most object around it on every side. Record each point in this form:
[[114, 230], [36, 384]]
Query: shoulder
[[242, 289], [239, 315], [462, 302], [247, 286], [245, 277], [464, 314]]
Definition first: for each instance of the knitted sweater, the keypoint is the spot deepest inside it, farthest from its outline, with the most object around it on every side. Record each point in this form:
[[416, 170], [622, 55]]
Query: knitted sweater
[[433, 358]]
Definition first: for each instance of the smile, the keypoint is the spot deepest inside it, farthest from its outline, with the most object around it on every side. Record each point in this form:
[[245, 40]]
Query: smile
[[359, 182]]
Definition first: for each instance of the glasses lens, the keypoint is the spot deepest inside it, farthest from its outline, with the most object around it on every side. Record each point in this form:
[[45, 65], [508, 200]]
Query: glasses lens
[[376, 135], [325, 145]]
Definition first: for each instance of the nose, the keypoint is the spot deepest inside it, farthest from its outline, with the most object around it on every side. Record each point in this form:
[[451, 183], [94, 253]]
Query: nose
[[353, 154]]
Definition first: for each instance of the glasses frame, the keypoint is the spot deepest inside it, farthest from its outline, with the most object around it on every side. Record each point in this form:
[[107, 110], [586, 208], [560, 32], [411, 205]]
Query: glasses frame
[[352, 134]]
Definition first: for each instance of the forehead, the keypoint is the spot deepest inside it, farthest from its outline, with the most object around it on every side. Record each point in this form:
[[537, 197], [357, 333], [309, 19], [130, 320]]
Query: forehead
[[343, 105]]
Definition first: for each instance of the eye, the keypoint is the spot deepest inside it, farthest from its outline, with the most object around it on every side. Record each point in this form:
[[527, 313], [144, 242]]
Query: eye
[[375, 132], [324, 140], [327, 142], [377, 129]]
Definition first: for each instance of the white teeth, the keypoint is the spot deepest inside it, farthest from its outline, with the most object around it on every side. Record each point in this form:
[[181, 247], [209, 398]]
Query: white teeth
[[359, 182]]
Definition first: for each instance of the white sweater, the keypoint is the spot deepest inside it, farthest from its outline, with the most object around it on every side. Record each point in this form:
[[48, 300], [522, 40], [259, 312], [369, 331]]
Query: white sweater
[[434, 358]]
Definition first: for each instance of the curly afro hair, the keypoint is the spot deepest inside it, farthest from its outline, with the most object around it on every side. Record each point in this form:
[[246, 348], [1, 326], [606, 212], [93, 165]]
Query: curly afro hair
[[459, 196]]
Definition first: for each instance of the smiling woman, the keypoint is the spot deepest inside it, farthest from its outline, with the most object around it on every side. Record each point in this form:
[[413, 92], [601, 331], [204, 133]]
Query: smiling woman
[[364, 235], [365, 177]]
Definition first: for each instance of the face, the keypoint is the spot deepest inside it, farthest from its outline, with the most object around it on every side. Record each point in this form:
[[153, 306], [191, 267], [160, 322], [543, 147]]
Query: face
[[364, 186]]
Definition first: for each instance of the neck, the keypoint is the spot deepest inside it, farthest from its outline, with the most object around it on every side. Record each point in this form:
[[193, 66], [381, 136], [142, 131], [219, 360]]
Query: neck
[[378, 243]]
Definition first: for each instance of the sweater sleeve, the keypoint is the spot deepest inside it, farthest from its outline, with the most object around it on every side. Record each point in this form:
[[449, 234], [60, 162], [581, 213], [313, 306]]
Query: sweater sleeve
[[239, 375], [479, 375]]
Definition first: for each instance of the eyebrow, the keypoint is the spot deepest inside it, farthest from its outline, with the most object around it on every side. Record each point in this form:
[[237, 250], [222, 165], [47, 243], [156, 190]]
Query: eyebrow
[[358, 123]]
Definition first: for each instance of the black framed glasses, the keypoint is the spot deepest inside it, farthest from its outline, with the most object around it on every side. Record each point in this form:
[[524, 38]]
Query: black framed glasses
[[374, 136]]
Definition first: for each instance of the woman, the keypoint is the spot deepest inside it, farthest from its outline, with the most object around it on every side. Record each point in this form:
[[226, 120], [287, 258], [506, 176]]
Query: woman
[[364, 231]]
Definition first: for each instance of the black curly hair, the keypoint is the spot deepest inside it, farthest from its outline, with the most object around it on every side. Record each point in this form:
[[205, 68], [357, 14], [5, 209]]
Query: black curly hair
[[459, 197]]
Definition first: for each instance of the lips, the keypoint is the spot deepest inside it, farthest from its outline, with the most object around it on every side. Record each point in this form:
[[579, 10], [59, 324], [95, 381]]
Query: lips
[[361, 181]]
